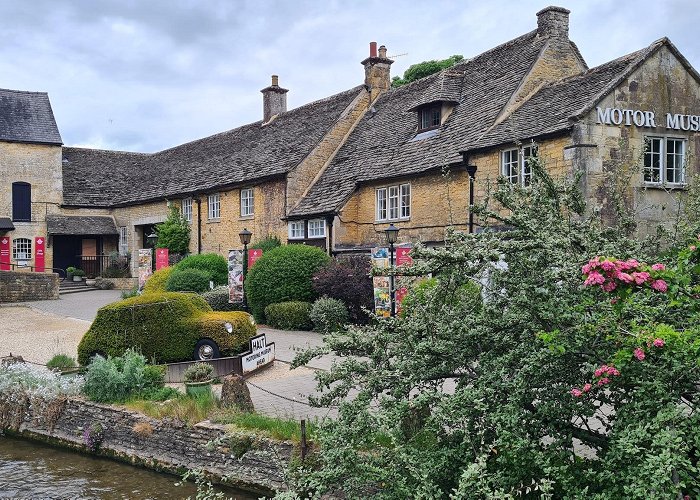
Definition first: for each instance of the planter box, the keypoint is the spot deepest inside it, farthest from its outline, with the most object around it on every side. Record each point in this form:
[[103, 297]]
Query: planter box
[[195, 389]]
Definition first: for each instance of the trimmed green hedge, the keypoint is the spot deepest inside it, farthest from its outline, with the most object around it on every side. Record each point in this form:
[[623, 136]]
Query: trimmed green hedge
[[156, 282], [163, 326], [283, 274], [292, 315], [213, 264], [218, 300], [329, 315], [188, 280]]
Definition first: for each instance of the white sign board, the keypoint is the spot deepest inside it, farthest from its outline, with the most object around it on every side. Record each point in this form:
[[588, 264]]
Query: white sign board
[[261, 354]]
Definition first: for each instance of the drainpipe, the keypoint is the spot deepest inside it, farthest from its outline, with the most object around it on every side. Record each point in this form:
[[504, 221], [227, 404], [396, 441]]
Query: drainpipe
[[329, 226], [199, 224]]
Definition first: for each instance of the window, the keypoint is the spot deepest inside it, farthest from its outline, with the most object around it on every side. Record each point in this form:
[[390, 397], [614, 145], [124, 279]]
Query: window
[[22, 249], [515, 164], [21, 201], [296, 230], [246, 202], [214, 205], [429, 117], [123, 240], [317, 228], [393, 202], [187, 209], [664, 160]]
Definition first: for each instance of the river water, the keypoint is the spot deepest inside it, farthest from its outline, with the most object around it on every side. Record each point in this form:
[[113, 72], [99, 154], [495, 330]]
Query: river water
[[32, 470]]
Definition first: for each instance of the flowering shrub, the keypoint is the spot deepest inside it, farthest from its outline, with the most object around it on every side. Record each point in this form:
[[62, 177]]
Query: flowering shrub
[[611, 274], [93, 436]]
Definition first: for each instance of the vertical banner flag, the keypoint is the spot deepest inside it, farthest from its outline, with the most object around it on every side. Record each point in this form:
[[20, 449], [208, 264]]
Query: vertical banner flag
[[235, 276], [4, 253], [382, 291], [39, 254], [402, 259], [161, 258], [253, 255], [145, 265]]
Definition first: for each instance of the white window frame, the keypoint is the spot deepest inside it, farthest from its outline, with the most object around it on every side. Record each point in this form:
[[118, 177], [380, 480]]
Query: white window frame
[[186, 209], [316, 228], [393, 203], [22, 249], [247, 202], [514, 164], [214, 206], [662, 168], [295, 230], [123, 240]]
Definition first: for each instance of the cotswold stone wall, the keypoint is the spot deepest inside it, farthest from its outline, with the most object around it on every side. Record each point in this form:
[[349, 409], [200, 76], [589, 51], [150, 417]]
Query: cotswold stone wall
[[17, 286], [247, 461]]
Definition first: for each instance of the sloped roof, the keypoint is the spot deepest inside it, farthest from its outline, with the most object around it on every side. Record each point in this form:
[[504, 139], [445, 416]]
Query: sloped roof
[[381, 145], [81, 224], [245, 154], [6, 224], [27, 117]]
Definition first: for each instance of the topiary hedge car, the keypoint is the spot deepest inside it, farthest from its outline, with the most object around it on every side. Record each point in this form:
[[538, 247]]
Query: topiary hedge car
[[167, 327]]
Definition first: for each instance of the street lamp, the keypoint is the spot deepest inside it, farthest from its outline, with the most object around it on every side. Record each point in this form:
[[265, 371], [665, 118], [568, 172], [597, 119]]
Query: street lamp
[[392, 234], [151, 240], [245, 236], [471, 170]]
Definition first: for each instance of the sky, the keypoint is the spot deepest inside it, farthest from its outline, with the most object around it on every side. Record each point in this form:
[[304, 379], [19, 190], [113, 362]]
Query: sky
[[146, 75]]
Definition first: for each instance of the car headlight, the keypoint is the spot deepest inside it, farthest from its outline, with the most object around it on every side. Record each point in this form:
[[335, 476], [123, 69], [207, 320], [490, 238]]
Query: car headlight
[[251, 319], [229, 327]]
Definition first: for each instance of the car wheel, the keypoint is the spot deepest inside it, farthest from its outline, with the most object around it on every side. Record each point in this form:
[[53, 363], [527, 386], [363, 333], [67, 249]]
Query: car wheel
[[206, 349]]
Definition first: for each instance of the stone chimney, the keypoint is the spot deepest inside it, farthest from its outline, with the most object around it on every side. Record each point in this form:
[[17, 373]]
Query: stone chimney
[[553, 22], [274, 100], [377, 70]]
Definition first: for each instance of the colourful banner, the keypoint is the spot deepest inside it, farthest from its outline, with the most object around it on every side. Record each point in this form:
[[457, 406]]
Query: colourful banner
[[5, 253], [235, 276], [161, 258], [253, 255], [145, 265], [382, 289], [402, 256], [39, 255]]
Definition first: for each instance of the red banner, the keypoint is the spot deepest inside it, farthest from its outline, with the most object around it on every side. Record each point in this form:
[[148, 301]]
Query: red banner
[[4, 253], [253, 255], [39, 255], [402, 257], [161, 258]]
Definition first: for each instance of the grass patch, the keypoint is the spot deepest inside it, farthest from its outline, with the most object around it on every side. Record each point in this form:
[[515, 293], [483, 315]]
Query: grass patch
[[185, 408], [276, 428]]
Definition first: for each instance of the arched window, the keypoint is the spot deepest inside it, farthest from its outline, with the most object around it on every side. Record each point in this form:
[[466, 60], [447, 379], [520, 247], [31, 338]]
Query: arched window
[[22, 249], [21, 201]]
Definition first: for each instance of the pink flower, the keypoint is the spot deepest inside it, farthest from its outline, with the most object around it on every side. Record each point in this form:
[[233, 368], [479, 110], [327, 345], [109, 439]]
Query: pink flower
[[609, 286], [601, 370], [613, 371], [640, 278], [639, 354], [624, 277], [595, 278], [658, 267], [658, 343], [607, 265], [659, 285], [576, 392], [587, 388], [692, 248], [603, 381]]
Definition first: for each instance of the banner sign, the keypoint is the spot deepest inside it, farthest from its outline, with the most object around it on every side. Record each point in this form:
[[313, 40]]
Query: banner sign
[[253, 255], [260, 354], [5, 253], [39, 254], [235, 276], [402, 259], [382, 290], [145, 265], [161, 258]]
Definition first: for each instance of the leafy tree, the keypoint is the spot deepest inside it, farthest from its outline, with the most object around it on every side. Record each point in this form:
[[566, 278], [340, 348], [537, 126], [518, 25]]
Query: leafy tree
[[549, 383], [174, 233], [267, 243], [425, 68]]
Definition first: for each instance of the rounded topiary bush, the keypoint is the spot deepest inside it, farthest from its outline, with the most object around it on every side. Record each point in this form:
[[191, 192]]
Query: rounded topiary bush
[[283, 274], [292, 315], [218, 300], [187, 280], [347, 279], [156, 282], [213, 264], [329, 314]]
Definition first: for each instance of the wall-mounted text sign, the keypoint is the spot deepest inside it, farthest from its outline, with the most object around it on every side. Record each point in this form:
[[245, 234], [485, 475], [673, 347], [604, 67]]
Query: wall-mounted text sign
[[639, 118]]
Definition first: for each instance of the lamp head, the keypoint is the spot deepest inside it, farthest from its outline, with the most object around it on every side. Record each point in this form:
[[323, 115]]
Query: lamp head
[[471, 170], [392, 233], [245, 236]]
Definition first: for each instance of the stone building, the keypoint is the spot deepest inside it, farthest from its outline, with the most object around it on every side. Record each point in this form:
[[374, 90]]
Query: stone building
[[336, 172]]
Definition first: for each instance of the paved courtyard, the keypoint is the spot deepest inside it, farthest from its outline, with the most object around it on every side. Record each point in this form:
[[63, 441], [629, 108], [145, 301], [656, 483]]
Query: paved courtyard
[[39, 330]]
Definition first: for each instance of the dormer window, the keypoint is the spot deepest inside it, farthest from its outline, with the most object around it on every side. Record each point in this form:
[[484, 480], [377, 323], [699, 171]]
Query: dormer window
[[429, 117]]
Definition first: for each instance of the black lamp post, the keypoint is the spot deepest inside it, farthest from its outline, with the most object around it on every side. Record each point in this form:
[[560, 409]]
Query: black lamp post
[[245, 236], [471, 170], [392, 234], [151, 240]]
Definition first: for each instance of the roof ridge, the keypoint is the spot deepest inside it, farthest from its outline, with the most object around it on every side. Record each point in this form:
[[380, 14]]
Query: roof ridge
[[117, 151], [34, 92]]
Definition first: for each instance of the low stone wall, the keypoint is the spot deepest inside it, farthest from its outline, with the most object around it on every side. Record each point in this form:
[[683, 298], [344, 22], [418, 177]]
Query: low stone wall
[[16, 286], [240, 459], [122, 283]]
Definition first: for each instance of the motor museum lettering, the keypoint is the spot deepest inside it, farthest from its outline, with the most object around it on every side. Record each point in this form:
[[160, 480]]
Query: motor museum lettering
[[260, 354], [639, 118]]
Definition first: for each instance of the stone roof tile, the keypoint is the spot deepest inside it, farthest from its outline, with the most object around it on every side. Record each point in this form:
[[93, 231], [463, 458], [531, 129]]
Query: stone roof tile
[[27, 117]]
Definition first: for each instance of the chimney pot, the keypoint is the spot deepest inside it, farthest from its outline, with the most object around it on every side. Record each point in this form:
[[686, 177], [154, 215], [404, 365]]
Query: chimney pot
[[373, 49], [275, 81], [553, 22], [377, 70], [274, 100], [382, 52]]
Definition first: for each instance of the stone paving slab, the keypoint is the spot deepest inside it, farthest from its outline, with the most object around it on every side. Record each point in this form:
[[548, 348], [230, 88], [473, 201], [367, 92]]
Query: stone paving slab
[[75, 305]]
